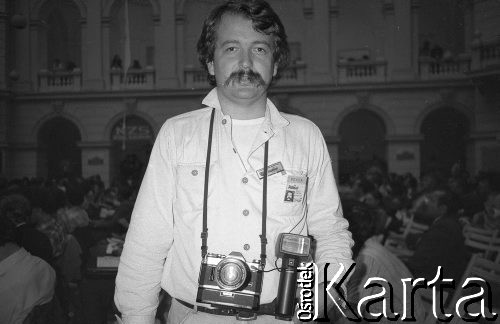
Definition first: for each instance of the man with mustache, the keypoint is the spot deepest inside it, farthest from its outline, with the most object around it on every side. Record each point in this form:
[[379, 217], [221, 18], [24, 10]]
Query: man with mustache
[[240, 173]]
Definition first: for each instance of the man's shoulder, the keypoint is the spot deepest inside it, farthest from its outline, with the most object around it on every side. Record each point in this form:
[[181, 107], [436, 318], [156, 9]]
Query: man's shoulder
[[297, 121], [192, 116], [185, 123]]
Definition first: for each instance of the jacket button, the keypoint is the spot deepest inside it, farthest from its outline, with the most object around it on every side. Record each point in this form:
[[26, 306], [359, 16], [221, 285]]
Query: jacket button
[[246, 247], [244, 180], [246, 212], [194, 172], [224, 122]]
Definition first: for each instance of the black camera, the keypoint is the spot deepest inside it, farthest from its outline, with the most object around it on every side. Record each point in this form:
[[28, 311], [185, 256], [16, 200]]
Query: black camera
[[230, 281]]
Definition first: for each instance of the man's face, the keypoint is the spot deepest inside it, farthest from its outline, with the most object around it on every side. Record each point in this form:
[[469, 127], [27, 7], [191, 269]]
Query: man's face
[[243, 63], [492, 206], [428, 206]]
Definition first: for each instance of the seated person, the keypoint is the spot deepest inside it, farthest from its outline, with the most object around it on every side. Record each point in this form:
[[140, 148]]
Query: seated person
[[45, 203], [374, 260], [73, 216], [17, 208], [26, 281], [119, 220], [443, 244], [489, 218]]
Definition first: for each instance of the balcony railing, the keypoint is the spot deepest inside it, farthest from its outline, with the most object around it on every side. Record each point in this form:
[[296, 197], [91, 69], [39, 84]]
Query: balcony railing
[[134, 79], [362, 71], [196, 78], [56, 81], [485, 54], [294, 74], [432, 69]]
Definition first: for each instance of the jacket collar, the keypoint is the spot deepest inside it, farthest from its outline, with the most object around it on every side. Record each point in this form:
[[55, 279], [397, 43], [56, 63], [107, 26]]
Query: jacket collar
[[273, 120]]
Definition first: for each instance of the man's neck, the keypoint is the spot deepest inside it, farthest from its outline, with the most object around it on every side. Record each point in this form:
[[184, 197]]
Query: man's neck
[[244, 109]]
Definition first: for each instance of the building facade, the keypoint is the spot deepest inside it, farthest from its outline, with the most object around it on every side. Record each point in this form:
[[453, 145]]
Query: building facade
[[84, 84]]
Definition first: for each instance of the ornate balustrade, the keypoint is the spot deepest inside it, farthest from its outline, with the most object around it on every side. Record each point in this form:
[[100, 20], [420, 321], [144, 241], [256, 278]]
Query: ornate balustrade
[[57, 81], [485, 54], [134, 79], [431, 69], [362, 71]]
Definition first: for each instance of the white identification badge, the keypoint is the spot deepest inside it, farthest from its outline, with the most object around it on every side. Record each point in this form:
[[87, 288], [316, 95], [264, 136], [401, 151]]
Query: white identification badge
[[295, 188]]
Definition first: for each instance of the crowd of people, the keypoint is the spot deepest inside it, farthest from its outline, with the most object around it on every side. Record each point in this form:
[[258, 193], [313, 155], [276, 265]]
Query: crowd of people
[[53, 225], [377, 204], [48, 227]]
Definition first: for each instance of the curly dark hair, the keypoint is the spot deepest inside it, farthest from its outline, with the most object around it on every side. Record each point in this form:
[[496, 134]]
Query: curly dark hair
[[7, 230], [264, 20]]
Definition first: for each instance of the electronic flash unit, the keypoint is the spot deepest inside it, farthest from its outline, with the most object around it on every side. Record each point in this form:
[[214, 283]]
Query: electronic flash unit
[[292, 248]]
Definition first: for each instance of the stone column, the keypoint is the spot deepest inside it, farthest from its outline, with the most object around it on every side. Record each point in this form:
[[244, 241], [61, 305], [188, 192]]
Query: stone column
[[388, 11], [334, 15], [91, 48], [106, 57], [23, 160], [415, 7], [4, 121], [4, 45], [23, 49], [165, 55], [401, 68], [179, 29], [318, 59], [469, 25], [34, 56]]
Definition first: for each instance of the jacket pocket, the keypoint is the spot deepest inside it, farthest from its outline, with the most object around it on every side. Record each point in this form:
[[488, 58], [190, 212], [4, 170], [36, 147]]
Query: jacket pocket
[[190, 186]]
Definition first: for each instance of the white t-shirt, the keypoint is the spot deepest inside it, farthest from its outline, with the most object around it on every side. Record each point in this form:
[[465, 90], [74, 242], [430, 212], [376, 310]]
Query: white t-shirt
[[244, 132]]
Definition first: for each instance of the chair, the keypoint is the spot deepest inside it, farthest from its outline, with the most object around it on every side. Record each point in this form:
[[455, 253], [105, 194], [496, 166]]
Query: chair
[[484, 242], [397, 242], [469, 229]]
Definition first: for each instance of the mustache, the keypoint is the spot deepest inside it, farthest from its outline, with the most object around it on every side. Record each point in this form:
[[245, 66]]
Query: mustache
[[250, 75]]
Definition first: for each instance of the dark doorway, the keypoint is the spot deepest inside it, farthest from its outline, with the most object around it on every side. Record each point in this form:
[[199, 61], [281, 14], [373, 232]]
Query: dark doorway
[[445, 132], [362, 143], [58, 152], [132, 139]]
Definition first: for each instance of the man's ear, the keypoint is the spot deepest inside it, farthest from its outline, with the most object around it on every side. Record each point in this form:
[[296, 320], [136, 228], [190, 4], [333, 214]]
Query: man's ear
[[210, 67], [275, 70]]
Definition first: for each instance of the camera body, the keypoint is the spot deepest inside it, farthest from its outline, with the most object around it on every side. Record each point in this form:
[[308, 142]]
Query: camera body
[[230, 281]]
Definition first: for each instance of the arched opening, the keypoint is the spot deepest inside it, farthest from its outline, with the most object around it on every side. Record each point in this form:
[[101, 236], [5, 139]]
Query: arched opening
[[362, 143], [445, 132], [58, 151], [132, 139]]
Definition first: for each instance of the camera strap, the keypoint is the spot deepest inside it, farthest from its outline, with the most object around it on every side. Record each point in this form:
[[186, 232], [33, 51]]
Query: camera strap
[[204, 233]]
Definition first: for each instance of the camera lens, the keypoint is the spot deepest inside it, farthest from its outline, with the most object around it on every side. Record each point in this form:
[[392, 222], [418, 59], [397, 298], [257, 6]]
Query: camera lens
[[231, 274]]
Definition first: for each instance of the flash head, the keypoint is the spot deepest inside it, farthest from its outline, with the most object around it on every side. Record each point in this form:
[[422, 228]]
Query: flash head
[[293, 244]]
